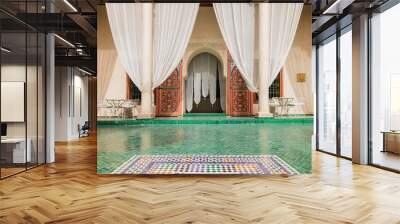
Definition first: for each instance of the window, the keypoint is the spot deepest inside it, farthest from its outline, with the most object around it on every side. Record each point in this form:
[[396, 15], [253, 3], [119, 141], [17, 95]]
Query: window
[[385, 88], [275, 88], [134, 90], [327, 96], [22, 77], [346, 93], [334, 88]]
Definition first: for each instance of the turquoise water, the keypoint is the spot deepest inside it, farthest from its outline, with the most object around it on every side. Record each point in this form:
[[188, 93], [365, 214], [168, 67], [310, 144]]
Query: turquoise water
[[290, 141]]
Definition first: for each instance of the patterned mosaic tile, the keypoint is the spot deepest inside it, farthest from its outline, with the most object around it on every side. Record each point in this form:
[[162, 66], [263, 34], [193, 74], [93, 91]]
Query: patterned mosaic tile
[[206, 164]]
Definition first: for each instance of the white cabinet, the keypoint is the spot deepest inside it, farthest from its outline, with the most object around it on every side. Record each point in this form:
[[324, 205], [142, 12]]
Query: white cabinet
[[17, 147]]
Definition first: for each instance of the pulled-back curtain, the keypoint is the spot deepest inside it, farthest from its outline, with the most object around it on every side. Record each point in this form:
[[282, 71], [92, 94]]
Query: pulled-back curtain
[[107, 59], [126, 24], [281, 27], [237, 24], [173, 26]]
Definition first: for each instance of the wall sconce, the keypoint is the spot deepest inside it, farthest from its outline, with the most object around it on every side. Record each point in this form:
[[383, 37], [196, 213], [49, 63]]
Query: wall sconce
[[301, 77]]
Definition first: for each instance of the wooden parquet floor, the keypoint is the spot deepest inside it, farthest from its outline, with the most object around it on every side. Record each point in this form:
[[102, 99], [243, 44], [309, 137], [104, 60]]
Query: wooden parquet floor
[[70, 191]]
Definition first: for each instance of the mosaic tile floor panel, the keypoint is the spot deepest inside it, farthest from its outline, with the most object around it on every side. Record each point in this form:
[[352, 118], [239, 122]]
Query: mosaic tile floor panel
[[206, 164]]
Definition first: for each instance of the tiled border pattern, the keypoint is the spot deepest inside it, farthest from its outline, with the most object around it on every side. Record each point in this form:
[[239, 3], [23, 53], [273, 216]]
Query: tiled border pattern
[[206, 164]]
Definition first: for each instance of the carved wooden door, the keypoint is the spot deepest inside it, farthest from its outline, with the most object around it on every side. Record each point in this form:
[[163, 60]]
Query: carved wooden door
[[240, 99], [169, 95]]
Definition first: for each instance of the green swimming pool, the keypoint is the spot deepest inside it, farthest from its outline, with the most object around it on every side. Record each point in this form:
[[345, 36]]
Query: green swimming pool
[[290, 139]]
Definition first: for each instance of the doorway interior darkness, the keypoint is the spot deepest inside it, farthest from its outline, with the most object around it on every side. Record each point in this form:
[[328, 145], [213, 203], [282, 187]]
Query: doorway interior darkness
[[205, 106]]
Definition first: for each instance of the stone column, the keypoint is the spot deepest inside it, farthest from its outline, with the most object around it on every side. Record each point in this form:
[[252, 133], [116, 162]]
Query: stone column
[[147, 92], [263, 49]]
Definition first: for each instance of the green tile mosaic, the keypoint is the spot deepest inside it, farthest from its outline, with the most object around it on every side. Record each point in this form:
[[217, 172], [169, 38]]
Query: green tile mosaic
[[289, 138]]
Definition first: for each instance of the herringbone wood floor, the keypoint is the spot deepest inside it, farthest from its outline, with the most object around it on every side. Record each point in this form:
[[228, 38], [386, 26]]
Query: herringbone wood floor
[[70, 191]]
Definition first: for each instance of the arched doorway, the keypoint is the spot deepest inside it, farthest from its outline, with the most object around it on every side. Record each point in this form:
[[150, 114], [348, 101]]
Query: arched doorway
[[205, 85]]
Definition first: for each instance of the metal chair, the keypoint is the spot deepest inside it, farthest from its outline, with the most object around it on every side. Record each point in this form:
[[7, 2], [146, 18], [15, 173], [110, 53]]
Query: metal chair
[[127, 106], [84, 130]]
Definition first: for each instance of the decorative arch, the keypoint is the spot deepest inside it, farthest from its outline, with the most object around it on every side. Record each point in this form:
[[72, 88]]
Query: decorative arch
[[204, 50], [209, 51], [218, 53], [222, 79], [217, 49]]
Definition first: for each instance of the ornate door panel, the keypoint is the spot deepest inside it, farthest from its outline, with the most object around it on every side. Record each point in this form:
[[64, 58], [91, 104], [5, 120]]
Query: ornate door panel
[[169, 95], [240, 99]]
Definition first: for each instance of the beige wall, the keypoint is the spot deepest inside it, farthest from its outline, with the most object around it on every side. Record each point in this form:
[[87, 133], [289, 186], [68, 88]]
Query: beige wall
[[299, 61]]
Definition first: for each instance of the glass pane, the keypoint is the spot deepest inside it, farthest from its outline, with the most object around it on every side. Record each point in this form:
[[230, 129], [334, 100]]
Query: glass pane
[[31, 98], [346, 93], [13, 89], [41, 98], [275, 88], [386, 89], [327, 97], [31, 88]]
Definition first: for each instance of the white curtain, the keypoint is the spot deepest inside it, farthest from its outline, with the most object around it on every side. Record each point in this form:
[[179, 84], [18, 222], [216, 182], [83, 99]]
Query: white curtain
[[202, 79], [173, 25], [126, 27], [204, 69], [212, 79], [196, 82], [237, 25], [281, 27], [222, 92], [107, 59], [189, 90]]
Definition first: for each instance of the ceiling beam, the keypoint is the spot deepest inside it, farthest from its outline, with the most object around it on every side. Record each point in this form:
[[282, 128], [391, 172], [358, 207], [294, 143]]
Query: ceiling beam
[[337, 7], [84, 24], [79, 61]]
